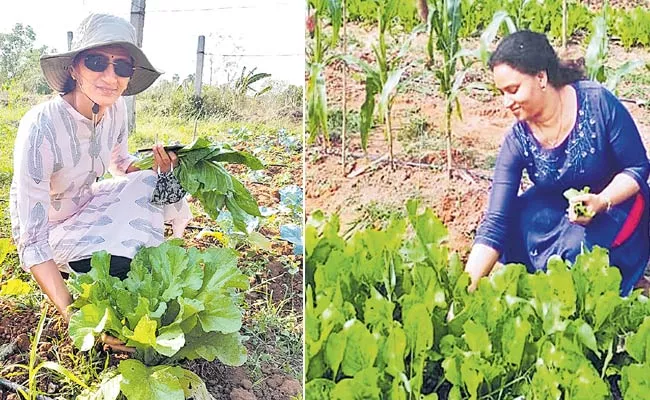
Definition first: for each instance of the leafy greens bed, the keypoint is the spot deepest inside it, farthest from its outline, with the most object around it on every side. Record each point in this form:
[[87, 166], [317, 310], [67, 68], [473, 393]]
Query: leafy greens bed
[[175, 304], [389, 317]]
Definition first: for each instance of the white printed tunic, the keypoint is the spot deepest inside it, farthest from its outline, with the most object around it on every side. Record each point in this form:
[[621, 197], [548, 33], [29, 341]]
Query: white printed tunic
[[58, 210]]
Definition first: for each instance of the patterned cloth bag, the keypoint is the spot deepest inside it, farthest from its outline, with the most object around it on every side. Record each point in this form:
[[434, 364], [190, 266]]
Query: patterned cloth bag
[[168, 189]]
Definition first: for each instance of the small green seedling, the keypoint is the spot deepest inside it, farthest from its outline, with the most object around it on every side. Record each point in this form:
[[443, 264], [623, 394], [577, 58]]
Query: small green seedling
[[579, 208]]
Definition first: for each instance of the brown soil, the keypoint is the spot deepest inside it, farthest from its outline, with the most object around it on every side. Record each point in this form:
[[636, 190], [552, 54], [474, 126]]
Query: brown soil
[[459, 202]]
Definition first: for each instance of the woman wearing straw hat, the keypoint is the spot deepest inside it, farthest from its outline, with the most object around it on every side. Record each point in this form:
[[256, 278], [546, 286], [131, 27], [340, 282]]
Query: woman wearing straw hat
[[60, 213]]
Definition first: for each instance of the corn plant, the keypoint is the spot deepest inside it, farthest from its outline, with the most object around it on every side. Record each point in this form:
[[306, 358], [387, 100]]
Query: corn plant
[[445, 19], [317, 61], [382, 78], [596, 57], [246, 79]]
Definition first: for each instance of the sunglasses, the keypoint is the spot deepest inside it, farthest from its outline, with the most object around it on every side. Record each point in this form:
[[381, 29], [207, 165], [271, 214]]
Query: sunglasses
[[99, 63]]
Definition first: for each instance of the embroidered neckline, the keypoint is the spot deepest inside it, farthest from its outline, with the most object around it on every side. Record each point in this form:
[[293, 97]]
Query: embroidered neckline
[[570, 155]]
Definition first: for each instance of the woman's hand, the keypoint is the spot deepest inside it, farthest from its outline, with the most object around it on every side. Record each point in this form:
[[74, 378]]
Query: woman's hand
[[162, 160], [593, 203], [115, 344]]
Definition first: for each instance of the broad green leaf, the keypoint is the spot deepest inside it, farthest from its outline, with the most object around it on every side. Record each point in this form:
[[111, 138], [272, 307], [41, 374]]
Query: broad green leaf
[[6, 247], [227, 348], [87, 323], [259, 241], [394, 351], [109, 389], [419, 329], [513, 341], [220, 314], [170, 340], [317, 103], [388, 88], [363, 386], [144, 333], [244, 199], [319, 389], [361, 348], [587, 385], [635, 381], [638, 344], [15, 287], [194, 387], [477, 339], [238, 157], [334, 350], [586, 335], [140, 382]]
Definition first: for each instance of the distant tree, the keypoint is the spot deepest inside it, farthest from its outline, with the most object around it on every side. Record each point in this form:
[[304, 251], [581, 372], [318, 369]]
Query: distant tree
[[15, 50]]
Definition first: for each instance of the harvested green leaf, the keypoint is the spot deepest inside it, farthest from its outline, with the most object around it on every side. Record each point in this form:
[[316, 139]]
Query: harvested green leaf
[[579, 208], [201, 173]]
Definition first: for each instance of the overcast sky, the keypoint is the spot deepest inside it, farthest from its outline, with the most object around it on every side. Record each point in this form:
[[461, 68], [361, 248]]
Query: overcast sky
[[267, 34]]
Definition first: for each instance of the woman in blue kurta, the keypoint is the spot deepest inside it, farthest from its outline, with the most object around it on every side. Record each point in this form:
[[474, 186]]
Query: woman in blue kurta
[[569, 133]]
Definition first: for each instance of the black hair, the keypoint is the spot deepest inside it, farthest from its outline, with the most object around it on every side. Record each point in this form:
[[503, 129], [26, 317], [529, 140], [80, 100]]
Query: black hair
[[69, 85], [529, 53]]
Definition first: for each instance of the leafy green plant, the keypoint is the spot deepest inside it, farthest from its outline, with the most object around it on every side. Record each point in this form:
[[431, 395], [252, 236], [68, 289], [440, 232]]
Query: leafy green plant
[[246, 79], [596, 57], [366, 12], [389, 316], [15, 287], [33, 368], [633, 27], [384, 77], [445, 20], [316, 63], [201, 173], [175, 304]]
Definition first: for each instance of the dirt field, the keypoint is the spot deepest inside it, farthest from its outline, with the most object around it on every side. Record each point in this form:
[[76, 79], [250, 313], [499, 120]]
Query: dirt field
[[418, 116]]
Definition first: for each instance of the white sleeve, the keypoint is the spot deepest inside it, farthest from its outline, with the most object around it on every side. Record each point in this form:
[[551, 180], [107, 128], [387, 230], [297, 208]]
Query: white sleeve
[[33, 167]]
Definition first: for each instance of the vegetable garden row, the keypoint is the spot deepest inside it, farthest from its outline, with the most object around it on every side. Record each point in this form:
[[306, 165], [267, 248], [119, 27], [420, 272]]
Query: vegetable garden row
[[388, 316]]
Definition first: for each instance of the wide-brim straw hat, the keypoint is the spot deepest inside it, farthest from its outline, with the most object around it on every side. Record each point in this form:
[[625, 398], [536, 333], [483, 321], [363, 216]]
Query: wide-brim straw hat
[[99, 30]]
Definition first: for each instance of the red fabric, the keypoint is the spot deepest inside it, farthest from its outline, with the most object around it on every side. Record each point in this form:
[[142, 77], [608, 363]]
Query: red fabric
[[631, 222]]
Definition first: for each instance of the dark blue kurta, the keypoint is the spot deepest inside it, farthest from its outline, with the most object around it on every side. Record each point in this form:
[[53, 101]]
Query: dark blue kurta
[[530, 228]]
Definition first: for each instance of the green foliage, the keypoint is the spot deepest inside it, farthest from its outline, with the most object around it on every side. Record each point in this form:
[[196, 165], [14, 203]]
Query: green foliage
[[579, 208], [596, 57], [443, 25], [387, 307], [19, 61], [175, 304], [633, 27], [245, 81], [383, 78], [323, 10], [33, 368], [201, 173], [15, 287], [366, 11]]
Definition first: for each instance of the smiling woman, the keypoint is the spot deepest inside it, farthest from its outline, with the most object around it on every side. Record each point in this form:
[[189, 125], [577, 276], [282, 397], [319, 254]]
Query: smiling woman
[[61, 212], [570, 133]]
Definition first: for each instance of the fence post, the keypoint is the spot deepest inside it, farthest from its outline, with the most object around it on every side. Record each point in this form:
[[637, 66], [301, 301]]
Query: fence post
[[137, 20], [198, 77], [69, 40]]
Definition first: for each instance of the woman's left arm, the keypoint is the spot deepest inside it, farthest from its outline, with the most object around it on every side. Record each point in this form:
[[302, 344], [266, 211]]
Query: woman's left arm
[[629, 154]]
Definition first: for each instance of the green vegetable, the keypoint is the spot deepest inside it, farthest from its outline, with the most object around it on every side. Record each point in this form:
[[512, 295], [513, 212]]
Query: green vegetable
[[201, 173], [579, 208], [175, 304], [388, 316]]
